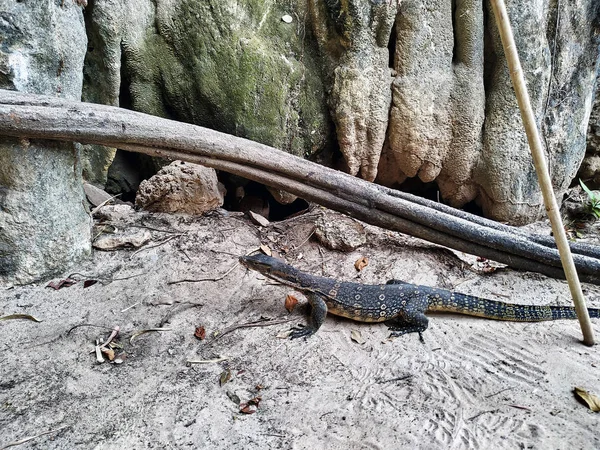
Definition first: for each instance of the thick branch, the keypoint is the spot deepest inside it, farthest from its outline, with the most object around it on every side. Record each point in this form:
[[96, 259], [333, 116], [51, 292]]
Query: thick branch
[[51, 118]]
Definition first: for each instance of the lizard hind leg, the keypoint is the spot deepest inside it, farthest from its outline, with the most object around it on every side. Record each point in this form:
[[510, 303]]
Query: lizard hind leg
[[408, 323], [316, 319]]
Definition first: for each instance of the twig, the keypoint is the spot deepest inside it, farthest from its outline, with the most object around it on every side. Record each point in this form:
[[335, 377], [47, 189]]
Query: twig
[[541, 167], [148, 247], [499, 392], [524, 408], [207, 361], [405, 377], [113, 335], [87, 325], [257, 323], [129, 307], [157, 229], [482, 413], [218, 278], [95, 210], [307, 239], [30, 438]]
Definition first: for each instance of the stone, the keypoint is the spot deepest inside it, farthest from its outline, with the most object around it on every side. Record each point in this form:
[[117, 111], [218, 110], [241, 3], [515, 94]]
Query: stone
[[125, 239], [44, 227], [339, 232], [181, 188], [354, 39], [116, 214], [258, 219], [95, 195]]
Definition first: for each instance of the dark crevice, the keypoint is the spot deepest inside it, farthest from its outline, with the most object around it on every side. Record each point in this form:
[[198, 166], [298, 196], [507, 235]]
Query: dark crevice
[[392, 47]]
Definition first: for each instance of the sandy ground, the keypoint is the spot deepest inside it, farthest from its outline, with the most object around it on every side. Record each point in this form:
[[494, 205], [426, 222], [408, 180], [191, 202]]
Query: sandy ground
[[474, 383]]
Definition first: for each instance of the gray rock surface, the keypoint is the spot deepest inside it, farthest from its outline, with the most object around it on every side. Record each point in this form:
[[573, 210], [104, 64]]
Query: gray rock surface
[[181, 187], [589, 171], [339, 232], [419, 89], [44, 227], [354, 37]]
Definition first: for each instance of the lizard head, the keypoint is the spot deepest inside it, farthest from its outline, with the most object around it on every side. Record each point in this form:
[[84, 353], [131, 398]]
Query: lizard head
[[270, 267]]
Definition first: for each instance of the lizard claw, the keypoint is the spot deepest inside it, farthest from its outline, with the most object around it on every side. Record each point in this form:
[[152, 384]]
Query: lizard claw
[[301, 331]]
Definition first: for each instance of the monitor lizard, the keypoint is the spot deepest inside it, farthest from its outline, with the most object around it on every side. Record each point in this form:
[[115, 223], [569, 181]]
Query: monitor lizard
[[403, 305]]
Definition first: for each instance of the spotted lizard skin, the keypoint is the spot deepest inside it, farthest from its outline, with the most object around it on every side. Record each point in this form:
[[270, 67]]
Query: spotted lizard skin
[[401, 304]]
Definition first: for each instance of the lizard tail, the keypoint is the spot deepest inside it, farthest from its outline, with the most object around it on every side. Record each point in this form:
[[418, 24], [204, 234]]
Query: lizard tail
[[491, 309]]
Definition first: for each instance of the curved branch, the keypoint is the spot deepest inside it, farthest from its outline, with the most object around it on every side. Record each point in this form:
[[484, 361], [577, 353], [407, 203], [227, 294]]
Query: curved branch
[[52, 118]]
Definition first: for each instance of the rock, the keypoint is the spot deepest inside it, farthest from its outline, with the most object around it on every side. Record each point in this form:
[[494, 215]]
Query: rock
[[126, 239], [258, 219], [181, 188], [44, 228], [116, 214], [354, 37], [95, 195], [589, 171], [338, 232]]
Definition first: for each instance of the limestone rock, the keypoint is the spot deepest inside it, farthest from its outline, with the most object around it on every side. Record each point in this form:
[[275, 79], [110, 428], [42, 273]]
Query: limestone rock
[[116, 214], [338, 232], [355, 38], [95, 195], [44, 228], [181, 188], [133, 238]]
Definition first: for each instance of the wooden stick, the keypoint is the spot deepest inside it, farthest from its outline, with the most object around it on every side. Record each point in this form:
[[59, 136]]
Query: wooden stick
[[541, 167]]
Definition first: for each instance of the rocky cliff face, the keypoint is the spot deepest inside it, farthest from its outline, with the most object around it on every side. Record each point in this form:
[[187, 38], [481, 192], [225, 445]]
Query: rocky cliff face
[[420, 89], [44, 227]]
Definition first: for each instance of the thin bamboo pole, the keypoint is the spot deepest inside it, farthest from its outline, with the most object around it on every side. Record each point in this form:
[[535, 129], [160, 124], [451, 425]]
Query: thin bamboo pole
[[541, 167]]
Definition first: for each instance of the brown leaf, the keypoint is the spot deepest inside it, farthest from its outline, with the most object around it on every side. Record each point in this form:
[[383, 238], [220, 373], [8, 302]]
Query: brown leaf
[[56, 285], [20, 316], [149, 330], [290, 302], [361, 263], [109, 352], [225, 377], [88, 283], [251, 406], [590, 400], [356, 336], [266, 250], [200, 333]]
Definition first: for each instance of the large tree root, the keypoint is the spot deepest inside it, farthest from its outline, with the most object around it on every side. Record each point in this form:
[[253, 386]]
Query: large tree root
[[33, 116]]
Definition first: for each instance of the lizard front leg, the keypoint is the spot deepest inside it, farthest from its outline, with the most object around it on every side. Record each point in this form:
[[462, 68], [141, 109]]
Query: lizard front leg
[[316, 319]]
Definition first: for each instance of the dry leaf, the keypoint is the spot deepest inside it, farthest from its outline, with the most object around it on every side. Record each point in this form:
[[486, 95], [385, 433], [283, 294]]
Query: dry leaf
[[225, 377], [591, 400], [139, 333], [250, 406], [20, 316], [266, 250], [109, 352], [200, 333], [88, 283], [61, 284], [290, 302], [234, 398], [361, 263], [284, 334], [356, 336]]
